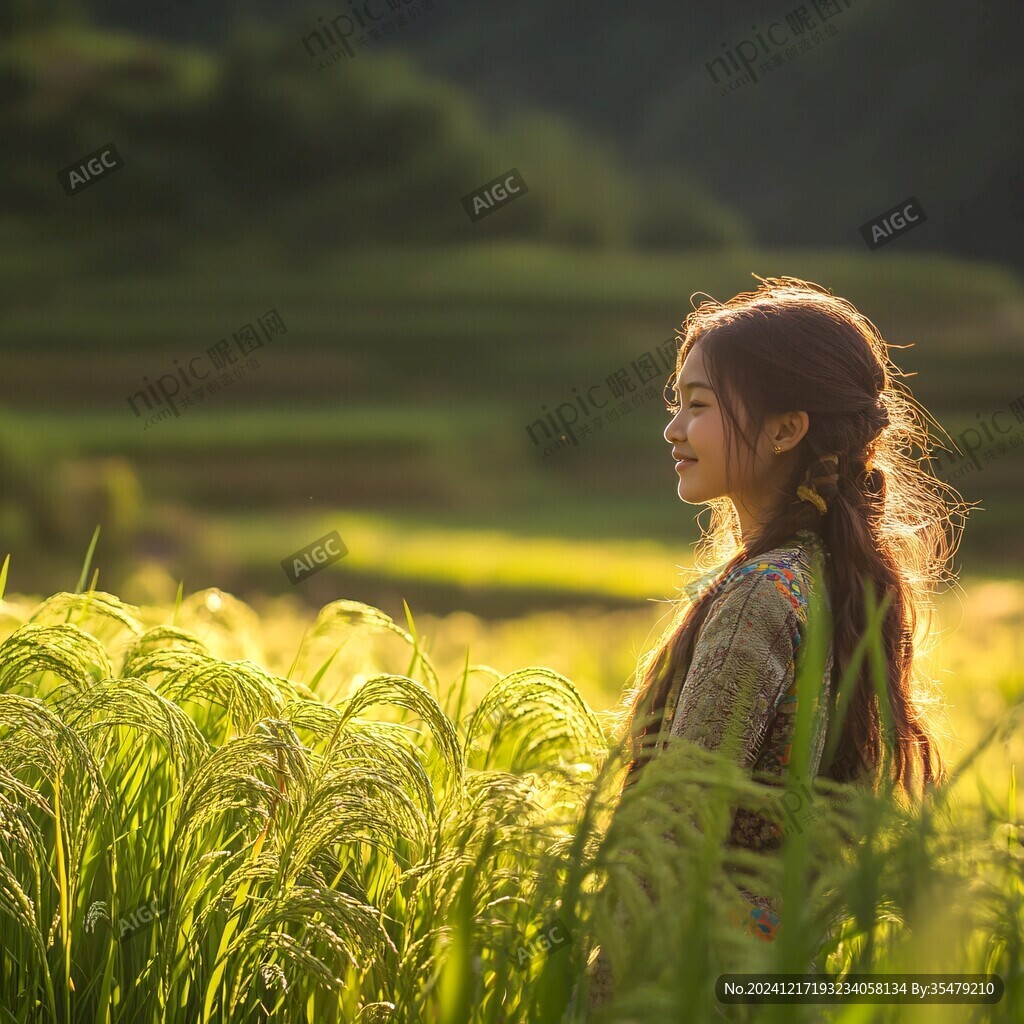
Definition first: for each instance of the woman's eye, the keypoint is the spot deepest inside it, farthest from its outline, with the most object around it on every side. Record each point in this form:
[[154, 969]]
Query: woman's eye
[[696, 405]]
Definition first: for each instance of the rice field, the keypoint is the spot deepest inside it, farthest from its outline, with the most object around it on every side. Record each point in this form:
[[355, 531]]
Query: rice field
[[209, 813]]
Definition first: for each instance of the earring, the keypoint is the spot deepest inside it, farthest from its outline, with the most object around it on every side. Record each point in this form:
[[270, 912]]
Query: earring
[[778, 450]]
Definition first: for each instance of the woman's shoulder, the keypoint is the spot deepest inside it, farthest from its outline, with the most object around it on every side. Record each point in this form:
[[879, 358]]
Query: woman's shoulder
[[780, 575], [788, 567]]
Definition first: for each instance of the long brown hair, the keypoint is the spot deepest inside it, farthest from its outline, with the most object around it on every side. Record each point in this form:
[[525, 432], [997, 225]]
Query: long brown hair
[[792, 345]]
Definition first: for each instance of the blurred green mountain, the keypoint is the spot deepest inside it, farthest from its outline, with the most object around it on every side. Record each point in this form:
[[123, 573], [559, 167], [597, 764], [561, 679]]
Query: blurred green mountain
[[243, 144], [920, 98]]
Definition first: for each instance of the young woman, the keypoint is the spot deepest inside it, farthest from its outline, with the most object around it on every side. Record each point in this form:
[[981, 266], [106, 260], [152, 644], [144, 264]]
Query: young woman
[[788, 422]]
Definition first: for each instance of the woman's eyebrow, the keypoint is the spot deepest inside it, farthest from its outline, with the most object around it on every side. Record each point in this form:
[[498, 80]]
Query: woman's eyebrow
[[696, 384]]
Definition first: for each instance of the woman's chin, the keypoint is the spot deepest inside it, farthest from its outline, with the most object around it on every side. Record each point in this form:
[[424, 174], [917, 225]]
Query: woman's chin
[[693, 492], [692, 495]]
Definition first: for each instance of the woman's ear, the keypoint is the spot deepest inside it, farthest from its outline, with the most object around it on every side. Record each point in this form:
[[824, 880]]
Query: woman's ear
[[790, 428]]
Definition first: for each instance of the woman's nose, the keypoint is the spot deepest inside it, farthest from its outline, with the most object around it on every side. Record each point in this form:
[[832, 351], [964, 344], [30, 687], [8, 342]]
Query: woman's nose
[[674, 432]]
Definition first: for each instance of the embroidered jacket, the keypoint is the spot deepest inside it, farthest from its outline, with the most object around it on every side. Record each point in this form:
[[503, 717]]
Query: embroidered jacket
[[739, 690], [740, 684], [738, 693]]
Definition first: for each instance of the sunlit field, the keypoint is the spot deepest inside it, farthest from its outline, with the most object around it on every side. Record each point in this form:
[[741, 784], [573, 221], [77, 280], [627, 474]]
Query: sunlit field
[[327, 723], [213, 813]]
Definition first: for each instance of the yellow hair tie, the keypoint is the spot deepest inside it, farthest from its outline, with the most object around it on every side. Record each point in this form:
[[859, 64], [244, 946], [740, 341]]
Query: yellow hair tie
[[811, 495]]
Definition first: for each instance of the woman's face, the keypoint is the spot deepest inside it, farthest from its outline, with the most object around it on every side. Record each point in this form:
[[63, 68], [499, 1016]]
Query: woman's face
[[697, 436]]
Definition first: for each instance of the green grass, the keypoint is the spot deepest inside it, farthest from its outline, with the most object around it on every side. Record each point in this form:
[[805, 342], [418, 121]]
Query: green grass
[[238, 430], [368, 834], [488, 559]]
